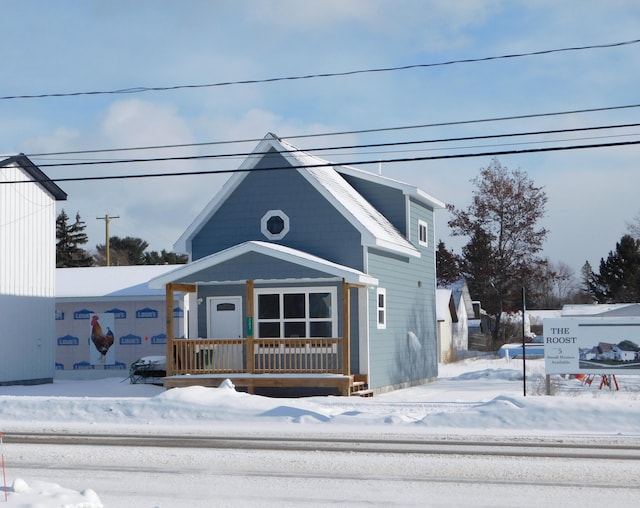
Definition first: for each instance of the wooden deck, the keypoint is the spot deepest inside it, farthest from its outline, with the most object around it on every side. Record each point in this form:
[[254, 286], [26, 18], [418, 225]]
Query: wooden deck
[[342, 384], [250, 362], [291, 363]]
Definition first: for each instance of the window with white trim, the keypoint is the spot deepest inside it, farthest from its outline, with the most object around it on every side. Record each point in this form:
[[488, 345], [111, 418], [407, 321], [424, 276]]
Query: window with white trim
[[423, 233], [381, 308], [296, 312], [274, 224]]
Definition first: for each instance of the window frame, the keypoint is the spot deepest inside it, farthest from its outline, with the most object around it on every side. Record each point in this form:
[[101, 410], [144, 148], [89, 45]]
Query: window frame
[[381, 310], [264, 224], [423, 226], [308, 320]]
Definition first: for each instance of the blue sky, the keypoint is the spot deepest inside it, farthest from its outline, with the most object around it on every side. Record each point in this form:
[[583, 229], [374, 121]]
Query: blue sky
[[82, 46]]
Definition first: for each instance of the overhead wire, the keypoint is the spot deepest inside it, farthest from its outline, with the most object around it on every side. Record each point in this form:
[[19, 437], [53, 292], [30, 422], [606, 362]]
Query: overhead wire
[[360, 146], [332, 164], [143, 89], [341, 133]]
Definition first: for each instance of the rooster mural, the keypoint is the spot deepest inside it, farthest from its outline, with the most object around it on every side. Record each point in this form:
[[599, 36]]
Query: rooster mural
[[102, 341]]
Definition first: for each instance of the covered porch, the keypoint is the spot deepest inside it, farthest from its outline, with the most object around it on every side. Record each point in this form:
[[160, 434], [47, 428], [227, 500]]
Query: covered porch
[[297, 322], [250, 362]]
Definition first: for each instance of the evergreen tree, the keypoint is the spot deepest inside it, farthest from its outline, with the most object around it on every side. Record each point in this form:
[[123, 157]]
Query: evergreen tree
[[164, 258], [618, 280], [69, 239], [447, 265], [126, 251]]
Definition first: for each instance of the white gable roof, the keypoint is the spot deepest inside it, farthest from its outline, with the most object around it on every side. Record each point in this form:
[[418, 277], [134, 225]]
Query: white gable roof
[[280, 252], [109, 281], [375, 228]]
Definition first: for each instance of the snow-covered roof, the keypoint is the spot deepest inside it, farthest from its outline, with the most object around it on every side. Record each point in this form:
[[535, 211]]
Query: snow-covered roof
[[109, 282], [599, 309], [280, 252], [445, 306], [375, 228]]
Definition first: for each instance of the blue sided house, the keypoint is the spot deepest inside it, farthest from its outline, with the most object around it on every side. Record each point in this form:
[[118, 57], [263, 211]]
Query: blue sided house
[[308, 277]]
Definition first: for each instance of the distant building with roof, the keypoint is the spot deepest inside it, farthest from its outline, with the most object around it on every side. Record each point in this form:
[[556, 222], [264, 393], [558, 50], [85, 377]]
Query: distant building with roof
[[122, 298]]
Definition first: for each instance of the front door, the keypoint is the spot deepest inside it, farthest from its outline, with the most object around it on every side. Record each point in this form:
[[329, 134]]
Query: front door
[[224, 317]]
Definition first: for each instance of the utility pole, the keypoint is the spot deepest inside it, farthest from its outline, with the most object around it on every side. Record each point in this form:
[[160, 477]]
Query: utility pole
[[106, 220]]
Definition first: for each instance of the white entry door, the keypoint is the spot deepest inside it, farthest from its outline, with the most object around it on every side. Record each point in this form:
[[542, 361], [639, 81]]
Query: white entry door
[[224, 317]]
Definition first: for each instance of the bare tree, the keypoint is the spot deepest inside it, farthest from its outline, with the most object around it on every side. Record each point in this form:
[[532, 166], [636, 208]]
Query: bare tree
[[634, 227], [502, 224]]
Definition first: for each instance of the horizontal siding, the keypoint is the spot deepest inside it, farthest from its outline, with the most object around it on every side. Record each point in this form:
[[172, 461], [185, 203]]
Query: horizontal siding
[[316, 227], [388, 201], [411, 307]]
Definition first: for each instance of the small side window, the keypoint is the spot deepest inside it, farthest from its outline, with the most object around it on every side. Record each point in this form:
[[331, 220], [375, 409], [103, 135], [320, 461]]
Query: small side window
[[423, 233], [381, 304]]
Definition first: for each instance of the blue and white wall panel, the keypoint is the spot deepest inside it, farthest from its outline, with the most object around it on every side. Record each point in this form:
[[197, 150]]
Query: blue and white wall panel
[[27, 279]]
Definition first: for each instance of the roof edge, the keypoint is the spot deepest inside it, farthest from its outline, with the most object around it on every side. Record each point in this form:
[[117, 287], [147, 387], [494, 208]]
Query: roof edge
[[38, 176]]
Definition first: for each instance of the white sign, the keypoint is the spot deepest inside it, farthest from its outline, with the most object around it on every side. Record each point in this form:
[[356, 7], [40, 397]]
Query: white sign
[[592, 345]]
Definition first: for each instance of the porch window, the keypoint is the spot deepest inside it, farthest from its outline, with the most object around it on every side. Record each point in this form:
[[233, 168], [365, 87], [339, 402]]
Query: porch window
[[381, 304], [300, 312]]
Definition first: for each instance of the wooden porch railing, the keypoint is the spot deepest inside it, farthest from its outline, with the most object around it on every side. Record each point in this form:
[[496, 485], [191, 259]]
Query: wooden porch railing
[[316, 355]]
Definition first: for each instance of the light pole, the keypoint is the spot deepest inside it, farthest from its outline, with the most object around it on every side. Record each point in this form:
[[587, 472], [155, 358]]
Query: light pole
[[106, 220]]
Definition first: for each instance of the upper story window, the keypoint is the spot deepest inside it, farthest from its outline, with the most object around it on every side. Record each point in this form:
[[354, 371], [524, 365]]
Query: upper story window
[[274, 224], [423, 233]]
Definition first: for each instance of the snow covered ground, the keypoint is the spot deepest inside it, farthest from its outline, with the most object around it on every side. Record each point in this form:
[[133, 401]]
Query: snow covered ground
[[475, 397]]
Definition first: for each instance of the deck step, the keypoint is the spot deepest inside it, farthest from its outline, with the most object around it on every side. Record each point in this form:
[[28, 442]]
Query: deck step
[[362, 393]]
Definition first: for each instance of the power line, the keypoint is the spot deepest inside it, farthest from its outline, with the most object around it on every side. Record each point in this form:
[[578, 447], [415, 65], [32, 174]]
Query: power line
[[143, 89], [346, 147], [341, 133], [330, 164]]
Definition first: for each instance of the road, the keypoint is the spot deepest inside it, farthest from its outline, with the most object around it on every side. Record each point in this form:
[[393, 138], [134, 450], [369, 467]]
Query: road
[[235, 471]]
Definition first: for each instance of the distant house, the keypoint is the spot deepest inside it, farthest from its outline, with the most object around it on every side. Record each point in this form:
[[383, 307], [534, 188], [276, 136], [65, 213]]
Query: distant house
[[464, 312], [624, 354], [447, 317], [605, 351], [308, 274], [121, 296], [27, 272]]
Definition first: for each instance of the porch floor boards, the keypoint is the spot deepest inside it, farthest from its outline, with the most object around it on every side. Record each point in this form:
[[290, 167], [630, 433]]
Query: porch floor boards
[[250, 381]]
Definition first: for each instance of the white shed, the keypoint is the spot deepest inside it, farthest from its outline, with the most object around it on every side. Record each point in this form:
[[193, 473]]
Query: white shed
[[27, 272]]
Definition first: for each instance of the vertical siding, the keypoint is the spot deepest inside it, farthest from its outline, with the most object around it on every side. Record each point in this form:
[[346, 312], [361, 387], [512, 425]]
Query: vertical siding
[[411, 307], [27, 279], [27, 237]]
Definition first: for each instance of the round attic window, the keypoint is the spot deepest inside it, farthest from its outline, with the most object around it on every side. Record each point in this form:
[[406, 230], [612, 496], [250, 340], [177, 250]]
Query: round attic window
[[274, 224]]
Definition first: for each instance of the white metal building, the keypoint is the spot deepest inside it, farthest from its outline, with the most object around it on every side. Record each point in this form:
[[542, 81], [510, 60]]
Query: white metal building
[[27, 272]]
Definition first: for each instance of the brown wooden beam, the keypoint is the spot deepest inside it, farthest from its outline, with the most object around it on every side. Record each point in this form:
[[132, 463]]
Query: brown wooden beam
[[183, 288], [250, 324], [346, 328], [168, 306]]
